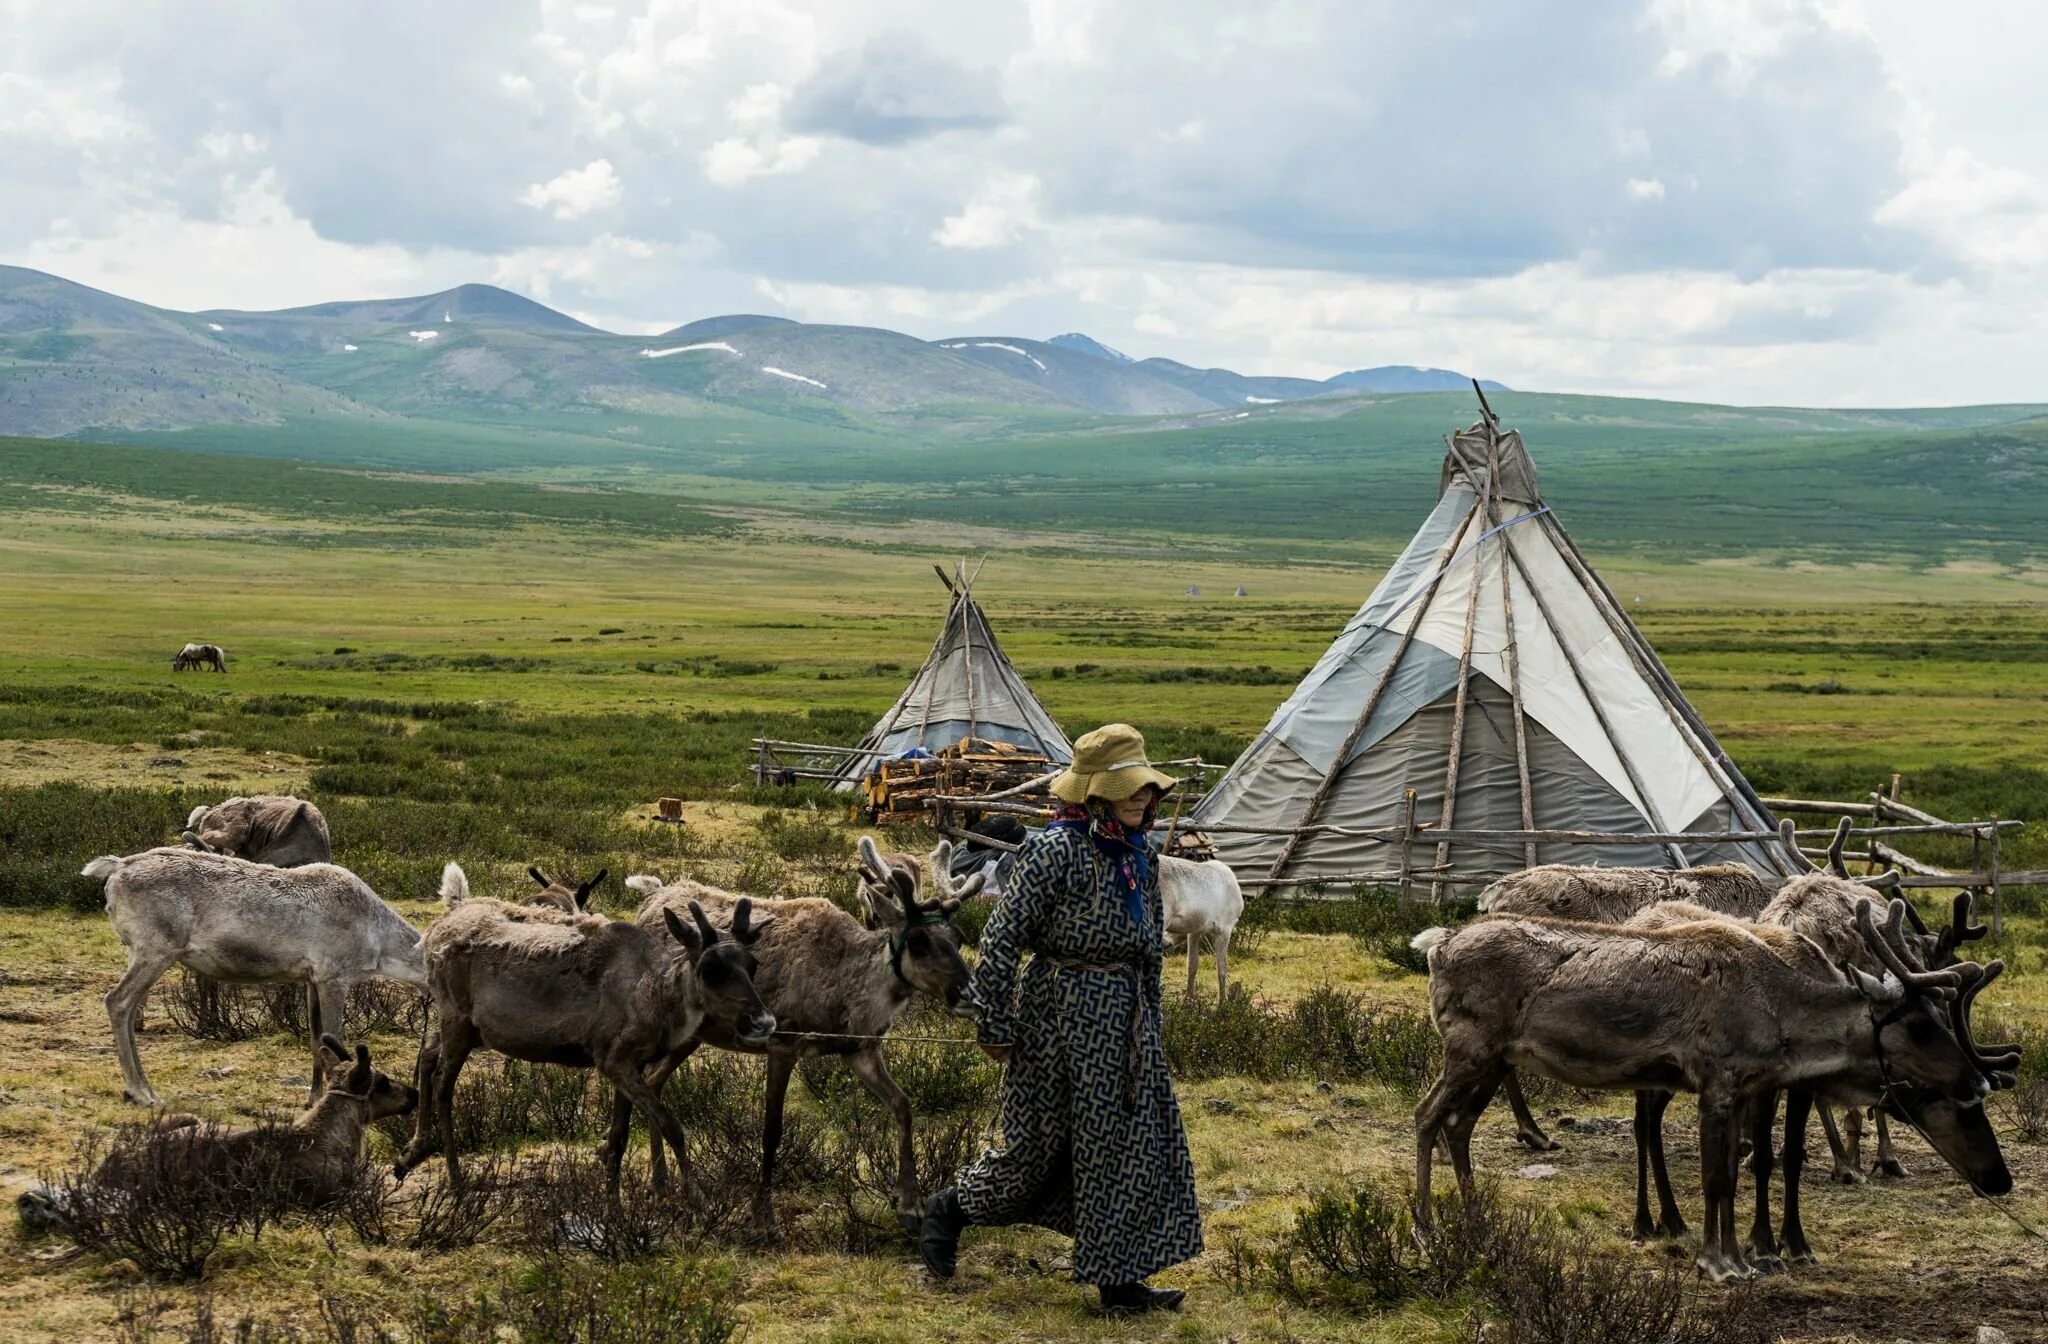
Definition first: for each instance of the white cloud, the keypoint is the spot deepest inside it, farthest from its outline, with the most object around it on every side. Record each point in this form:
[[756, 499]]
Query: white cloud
[[1645, 189], [733, 160], [1000, 212], [577, 192]]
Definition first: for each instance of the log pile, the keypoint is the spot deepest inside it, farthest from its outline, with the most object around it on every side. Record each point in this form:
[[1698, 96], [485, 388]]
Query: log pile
[[896, 792]]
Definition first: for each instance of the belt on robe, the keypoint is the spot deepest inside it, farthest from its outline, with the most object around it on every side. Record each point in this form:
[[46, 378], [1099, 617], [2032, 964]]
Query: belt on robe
[[1133, 1039]]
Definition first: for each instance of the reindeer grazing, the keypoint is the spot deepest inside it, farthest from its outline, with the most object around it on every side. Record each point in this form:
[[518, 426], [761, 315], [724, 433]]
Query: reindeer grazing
[[1708, 1007], [247, 923], [1824, 911], [315, 1158], [200, 655], [835, 988], [1201, 898], [282, 831], [546, 986]]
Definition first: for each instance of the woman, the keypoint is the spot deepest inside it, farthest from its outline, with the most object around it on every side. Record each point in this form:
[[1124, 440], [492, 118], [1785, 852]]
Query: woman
[[1094, 1143]]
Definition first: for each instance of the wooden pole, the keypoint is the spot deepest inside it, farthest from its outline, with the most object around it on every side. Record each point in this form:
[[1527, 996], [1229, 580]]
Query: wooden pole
[[1407, 839], [1484, 489], [1997, 894], [1372, 702]]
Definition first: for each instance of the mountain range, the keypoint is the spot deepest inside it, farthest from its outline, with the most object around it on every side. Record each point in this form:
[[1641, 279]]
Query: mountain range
[[76, 361]]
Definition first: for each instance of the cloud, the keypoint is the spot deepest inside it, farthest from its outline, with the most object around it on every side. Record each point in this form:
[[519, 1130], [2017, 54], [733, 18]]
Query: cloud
[[895, 89], [1002, 210], [577, 192]]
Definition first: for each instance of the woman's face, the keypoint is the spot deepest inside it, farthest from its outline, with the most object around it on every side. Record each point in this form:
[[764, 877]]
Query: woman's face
[[1131, 811]]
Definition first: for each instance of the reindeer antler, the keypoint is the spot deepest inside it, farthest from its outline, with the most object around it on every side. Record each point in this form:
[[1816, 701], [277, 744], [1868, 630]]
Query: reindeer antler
[[1926, 982], [1835, 863], [537, 875], [1960, 929], [1789, 834], [1999, 1063], [744, 930], [704, 926]]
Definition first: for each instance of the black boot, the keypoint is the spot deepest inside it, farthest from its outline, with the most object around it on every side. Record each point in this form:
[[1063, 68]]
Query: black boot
[[938, 1238], [1130, 1299]]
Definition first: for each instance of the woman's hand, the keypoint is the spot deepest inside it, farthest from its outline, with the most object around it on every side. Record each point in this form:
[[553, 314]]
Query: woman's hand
[[999, 1053]]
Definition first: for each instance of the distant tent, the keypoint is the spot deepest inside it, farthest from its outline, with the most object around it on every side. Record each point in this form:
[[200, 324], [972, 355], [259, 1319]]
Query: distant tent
[[966, 688], [1240, 592], [1194, 590], [1494, 673]]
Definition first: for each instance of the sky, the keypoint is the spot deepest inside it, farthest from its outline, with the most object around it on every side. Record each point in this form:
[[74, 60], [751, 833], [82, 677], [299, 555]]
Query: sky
[[1814, 202]]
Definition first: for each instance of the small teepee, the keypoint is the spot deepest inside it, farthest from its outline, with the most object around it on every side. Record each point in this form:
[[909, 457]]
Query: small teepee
[[1493, 673], [966, 688]]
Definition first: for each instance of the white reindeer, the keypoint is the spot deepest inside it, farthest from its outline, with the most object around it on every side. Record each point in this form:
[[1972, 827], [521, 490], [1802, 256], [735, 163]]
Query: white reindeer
[[1201, 898]]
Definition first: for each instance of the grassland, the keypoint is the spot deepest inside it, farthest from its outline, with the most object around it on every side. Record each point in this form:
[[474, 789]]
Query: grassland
[[504, 673]]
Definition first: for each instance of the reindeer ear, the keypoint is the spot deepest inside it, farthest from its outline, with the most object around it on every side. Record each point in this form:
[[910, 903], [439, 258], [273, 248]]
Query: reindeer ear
[[359, 1077], [333, 1046], [871, 860], [1885, 991], [704, 926], [681, 932], [540, 877], [583, 892]]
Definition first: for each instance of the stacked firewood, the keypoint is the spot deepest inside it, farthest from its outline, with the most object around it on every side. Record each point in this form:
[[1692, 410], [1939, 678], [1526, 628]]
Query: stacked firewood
[[897, 791]]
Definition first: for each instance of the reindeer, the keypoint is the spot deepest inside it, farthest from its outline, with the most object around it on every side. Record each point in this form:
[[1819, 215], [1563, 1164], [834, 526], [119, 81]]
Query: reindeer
[[835, 988], [1201, 898], [200, 655], [1708, 1007], [282, 831], [315, 1159], [1823, 911], [247, 923], [542, 985]]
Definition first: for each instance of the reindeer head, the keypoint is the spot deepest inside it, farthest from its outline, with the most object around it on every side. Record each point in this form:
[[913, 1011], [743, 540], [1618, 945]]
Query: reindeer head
[[1910, 1014], [569, 900], [1964, 1135], [373, 1089], [924, 947], [725, 968]]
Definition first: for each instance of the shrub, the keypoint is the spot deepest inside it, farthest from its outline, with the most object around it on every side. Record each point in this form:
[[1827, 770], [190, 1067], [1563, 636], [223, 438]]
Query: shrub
[[426, 1213], [564, 1203], [201, 1006], [793, 835], [2030, 1109], [1327, 1034]]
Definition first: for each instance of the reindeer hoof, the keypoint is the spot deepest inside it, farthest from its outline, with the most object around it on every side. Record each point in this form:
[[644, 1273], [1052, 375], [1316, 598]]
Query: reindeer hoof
[[142, 1098], [1846, 1176], [1725, 1269], [1766, 1264], [1801, 1257], [1537, 1141], [1890, 1169]]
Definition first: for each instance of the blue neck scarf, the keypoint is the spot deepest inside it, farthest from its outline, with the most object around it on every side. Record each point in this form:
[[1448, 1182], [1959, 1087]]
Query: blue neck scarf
[[1125, 846]]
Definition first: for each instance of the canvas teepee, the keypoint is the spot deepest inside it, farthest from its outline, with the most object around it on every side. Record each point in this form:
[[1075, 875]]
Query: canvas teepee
[[1494, 673], [966, 688]]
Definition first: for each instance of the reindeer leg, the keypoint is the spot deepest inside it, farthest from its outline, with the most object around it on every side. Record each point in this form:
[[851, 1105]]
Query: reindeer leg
[[1718, 1259], [1194, 942], [1845, 1172], [422, 1145], [1462, 1123], [1223, 964], [457, 1040], [124, 1002], [1527, 1132], [781, 1063], [874, 1075], [1670, 1222], [1460, 1091], [1763, 1246], [622, 1119], [1646, 1228], [329, 1004], [1852, 1137], [1797, 1105], [661, 1123], [1888, 1167]]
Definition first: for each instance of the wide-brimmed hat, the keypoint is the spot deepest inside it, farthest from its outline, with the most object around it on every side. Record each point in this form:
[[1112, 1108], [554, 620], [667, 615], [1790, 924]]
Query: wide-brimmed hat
[[1110, 764]]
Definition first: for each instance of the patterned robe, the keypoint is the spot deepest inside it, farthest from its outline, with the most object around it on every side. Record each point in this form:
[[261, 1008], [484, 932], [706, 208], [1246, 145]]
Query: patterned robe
[[1094, 1143]]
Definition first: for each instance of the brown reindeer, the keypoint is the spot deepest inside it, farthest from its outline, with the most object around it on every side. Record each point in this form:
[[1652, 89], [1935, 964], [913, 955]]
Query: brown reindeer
[[1709, 1007], [835, 988], [547, 987], [276, 829]]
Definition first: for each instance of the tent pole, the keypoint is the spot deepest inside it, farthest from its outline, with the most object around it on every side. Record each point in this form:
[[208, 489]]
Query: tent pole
[[1507, 598], [967, 647], [1372, 702], [888, 725], [1585, 688], [1450, 808], [1735, 787]]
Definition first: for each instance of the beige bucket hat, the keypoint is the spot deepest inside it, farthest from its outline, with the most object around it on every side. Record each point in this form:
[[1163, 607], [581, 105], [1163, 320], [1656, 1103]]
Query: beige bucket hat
[[1109, 763]]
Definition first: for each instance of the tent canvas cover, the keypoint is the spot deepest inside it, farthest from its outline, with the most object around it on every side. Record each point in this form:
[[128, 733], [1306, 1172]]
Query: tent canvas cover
[[1494, 673], [966, 688]]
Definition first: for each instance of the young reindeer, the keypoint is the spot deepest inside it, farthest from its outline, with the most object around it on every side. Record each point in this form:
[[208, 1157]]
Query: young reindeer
[[277, 829], [247, 923], [315, 1158], [1197, 899], [835, 988], [547, 987], [1708, 1007]]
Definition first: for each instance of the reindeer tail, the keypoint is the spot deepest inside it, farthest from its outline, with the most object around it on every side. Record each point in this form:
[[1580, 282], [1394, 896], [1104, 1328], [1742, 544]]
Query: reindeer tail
[[1426, 941], [454, 886]]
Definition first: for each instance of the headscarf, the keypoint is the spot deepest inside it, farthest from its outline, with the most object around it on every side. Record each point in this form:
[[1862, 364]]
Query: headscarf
[[1130, 857]]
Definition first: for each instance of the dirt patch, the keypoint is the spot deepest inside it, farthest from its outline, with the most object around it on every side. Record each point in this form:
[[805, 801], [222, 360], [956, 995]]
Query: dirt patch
[[54, 760]]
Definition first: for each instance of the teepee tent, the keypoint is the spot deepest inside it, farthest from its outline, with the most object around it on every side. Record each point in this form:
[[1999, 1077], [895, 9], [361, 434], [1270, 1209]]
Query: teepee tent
[[1493, 673], [966, 688]]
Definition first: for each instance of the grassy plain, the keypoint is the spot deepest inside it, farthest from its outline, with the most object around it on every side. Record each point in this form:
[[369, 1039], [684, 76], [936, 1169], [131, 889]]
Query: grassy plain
[[503, 673]]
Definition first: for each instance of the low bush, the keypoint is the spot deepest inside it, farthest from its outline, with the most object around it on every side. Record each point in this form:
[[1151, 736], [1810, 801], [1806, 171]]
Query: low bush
[[563, 1202], [426, 1213], [1326, 1034], [796, 835]]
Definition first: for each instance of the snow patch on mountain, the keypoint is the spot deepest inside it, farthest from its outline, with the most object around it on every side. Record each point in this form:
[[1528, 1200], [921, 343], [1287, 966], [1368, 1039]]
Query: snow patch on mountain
[[997, 345], [686, 349], [793, 377], [424, 336]]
